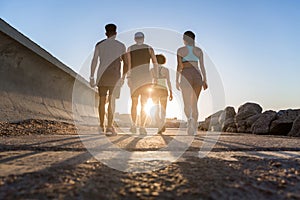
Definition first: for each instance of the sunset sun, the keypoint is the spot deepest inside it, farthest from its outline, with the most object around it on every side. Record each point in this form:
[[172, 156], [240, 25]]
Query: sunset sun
[[149, 106]]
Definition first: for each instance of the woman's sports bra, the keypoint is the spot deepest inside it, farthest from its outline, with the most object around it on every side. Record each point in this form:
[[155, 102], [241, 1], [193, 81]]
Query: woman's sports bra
[[161, 81], [190, 57]]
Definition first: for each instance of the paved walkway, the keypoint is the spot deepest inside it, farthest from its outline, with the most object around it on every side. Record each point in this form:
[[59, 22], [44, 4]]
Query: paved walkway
[[172, 165]]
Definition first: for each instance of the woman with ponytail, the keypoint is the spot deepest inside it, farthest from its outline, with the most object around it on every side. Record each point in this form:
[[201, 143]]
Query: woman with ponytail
[[190, 78]]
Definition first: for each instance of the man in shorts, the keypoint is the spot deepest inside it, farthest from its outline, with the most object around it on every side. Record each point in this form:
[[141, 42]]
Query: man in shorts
[[139, 78], [109, 53]]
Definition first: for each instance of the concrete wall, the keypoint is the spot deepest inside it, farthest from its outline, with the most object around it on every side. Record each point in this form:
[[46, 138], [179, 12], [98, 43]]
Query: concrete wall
[[34, 84]]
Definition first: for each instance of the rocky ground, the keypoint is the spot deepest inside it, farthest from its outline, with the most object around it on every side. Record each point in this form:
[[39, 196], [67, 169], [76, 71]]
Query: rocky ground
[[54, 164], [36, 126]]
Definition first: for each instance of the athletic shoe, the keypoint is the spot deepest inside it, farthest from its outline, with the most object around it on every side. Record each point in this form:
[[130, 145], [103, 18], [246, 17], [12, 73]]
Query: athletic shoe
[[143, 131], [132, 129], [101, 130], [111, 131]]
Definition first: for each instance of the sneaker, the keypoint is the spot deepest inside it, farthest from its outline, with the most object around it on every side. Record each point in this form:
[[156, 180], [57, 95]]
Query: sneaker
[[111, 131], [161, 130], [101, 130], [143, 131], [132, 129]]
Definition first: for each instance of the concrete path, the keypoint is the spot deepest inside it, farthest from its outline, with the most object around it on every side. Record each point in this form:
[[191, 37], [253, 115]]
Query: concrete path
[[238, 166]]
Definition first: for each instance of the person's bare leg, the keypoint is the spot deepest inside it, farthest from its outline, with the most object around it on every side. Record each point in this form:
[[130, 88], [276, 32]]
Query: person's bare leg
[[163, 110], [143, 113], [194, 119], [134, 103], [194, 104], [187, 94], [156, 106], [111, 110], [101, 110]]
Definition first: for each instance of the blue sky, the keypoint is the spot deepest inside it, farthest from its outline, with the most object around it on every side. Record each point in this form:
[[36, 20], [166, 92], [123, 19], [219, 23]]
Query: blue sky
[[254, 45]]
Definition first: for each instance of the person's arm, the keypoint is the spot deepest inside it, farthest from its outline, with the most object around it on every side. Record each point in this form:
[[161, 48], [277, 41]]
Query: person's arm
[[169, 84], [154, 61], [179, 69], [94, 66], [128, 66], [152, 74], [125, 64], [202, 67], [128, 59]]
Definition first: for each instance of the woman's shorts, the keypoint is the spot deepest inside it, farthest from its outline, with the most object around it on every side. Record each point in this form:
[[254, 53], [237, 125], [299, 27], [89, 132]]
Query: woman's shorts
[[159, 92], [191, 78]]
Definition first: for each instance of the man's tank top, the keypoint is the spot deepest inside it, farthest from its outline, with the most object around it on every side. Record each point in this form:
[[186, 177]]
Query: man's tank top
[[109, 70], [140, 56]]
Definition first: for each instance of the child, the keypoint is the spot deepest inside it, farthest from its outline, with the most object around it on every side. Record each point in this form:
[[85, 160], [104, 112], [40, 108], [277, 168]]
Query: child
[[160, 93]]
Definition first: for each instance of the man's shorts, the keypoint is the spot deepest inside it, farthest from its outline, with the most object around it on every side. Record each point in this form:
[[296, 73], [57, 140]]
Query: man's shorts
[[159, 92], [144, 90], [109, 90]]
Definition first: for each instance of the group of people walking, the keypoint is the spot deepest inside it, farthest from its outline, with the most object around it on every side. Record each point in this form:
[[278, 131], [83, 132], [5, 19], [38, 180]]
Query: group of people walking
[[145, 82]]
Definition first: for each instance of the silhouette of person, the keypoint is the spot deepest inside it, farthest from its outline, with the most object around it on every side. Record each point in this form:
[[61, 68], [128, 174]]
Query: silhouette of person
[[139, 78], [190, 79], [109, 53], [160, 92]]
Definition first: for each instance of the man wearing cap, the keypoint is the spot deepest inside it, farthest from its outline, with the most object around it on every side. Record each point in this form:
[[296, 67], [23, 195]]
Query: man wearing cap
[[109, 53], [139, 78]]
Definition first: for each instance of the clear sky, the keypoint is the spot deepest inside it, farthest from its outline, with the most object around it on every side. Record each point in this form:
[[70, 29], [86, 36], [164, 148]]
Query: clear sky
[[255, 45]]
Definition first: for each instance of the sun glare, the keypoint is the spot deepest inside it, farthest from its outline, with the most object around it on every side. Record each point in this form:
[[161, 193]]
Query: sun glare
[[149, 106]]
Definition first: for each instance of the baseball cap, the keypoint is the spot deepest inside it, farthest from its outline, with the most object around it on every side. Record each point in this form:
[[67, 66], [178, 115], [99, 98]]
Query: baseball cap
[[139, 35]]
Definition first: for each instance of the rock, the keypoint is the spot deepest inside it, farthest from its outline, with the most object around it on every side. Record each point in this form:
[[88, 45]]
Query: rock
[[262, 124], [226, 118], [295, 131], [283, 122], [231, 129], [241, 129], [213, 124], [229, 112], [248, 110], [213, 120], [216, 128], [229, 123], [203, 126], [217, 114], [244, 126], [251, 120], [248, 129], [254, 107], [246, 116]]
